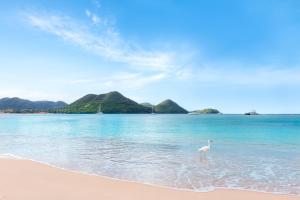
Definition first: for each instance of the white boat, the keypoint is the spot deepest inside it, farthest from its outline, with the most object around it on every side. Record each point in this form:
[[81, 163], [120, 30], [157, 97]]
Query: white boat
[[253, 112], [153, 110], [193, 113], [99, 110]]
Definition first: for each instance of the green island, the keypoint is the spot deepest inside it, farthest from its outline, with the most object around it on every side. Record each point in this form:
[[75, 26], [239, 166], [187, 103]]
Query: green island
[[206, 111], [169, 106]]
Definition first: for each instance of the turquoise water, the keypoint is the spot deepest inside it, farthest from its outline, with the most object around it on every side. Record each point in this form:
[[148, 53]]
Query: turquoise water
[[259, 153]]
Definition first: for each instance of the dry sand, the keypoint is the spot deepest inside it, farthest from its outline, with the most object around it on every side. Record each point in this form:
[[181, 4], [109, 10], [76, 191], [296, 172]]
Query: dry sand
[[28, 180]]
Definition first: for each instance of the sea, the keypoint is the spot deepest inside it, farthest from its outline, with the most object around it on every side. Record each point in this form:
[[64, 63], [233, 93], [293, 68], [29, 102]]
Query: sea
[[257, 153]]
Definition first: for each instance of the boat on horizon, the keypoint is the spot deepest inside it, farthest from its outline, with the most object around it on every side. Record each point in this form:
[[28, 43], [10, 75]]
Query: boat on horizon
[[99, 110], [253, 112], [153, 113]]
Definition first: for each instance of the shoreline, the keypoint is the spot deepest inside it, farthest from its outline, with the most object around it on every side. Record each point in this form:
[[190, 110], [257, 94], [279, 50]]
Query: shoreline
[[209, 114], [18, 173], [15, 157]]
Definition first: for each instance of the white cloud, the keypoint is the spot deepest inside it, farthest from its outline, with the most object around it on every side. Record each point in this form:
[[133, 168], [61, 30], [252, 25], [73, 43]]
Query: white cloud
[[97, 4], [106, 43], [94, 18], [88, 13], [146, 66]]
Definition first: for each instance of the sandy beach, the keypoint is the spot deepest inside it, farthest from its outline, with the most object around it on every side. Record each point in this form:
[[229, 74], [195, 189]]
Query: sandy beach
[[28, 180]]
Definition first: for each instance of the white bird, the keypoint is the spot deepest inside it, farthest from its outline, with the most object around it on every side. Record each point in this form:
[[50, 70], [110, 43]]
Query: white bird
[[205, 149]]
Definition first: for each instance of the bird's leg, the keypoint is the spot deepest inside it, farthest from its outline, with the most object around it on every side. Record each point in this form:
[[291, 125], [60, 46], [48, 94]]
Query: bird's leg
[[201, 157], [205, 157]]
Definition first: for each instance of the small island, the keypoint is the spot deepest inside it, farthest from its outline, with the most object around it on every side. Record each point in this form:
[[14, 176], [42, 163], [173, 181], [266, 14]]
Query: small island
[[205, 111], [169, 107]]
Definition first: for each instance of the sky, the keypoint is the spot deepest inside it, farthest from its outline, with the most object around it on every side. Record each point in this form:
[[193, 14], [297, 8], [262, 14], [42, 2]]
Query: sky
[[232, 55]]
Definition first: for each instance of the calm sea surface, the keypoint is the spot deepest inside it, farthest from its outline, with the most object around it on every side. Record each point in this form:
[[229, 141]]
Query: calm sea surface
[[259, 153]]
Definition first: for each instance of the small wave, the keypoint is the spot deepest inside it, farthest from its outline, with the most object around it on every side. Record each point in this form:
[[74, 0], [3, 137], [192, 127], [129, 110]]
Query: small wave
[[10, 156]]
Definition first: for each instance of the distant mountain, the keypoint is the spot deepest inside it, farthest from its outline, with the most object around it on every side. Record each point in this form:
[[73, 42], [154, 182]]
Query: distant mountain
[[12, 105], [206, 111], [112, 102], [147, 104], [169, 106]]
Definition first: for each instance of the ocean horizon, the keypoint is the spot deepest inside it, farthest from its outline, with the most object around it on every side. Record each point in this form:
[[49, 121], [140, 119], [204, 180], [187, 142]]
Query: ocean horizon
[[259, 153]]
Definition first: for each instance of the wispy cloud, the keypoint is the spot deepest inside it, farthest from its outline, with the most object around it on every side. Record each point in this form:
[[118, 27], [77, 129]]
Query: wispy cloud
[[95, 18], [107, 42], [96, 3], [144, 66], [151, 65]]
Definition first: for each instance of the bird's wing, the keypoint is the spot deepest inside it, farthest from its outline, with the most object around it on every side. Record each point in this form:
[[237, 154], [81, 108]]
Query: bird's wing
[[203, 148]]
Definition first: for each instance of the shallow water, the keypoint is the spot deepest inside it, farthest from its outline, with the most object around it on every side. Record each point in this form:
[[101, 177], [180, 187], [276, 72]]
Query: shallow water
[[259, 153]]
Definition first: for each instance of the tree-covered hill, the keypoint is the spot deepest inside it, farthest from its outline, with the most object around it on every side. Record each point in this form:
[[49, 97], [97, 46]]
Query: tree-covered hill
[[18, 105], [112, 102], [206, 111], [169, 107]]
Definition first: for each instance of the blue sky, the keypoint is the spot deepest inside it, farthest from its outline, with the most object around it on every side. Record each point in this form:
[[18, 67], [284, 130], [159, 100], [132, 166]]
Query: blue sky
[[233, 55]]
